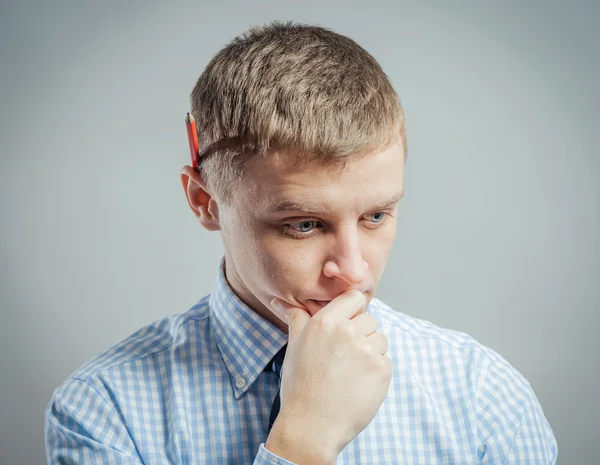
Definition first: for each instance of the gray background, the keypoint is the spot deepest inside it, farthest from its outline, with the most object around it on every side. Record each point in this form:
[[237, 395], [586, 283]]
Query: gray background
[[498, 230]]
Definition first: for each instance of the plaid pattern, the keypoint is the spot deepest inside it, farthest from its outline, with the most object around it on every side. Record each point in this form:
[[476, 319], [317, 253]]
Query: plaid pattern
[[191, 389]]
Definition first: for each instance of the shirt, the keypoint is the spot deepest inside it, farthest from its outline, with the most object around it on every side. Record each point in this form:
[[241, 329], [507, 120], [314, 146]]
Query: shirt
[[191, 389]]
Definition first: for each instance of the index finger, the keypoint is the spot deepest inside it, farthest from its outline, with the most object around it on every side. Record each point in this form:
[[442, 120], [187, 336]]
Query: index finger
[[345, 306]]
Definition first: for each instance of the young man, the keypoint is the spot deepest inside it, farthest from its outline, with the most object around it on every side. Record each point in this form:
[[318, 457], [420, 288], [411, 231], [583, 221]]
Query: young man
[[303, 150]]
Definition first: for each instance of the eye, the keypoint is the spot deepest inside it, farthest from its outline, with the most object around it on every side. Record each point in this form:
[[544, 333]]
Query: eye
[[306, 228], [301, 229], [303, 226], [380, 215]]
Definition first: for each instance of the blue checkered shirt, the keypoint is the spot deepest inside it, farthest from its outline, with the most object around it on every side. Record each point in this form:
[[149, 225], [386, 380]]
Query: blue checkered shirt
[[191, 389]]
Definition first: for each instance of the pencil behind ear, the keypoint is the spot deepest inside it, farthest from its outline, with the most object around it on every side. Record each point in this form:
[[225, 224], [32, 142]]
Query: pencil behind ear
[[190, 125]]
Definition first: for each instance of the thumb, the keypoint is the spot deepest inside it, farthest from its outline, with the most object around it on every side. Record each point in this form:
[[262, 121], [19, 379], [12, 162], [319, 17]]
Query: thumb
[[295, 317]]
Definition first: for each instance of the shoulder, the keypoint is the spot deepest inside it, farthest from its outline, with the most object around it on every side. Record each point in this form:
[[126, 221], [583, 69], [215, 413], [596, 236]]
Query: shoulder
[[145, 342], [416, 339], [87, 408], [506, 412]]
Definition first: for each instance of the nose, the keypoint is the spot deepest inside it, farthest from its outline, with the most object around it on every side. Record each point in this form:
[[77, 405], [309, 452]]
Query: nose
[[346, 261]]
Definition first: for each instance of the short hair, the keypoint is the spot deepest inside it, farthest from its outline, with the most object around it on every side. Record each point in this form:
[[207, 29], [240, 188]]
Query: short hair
[[294, 89]]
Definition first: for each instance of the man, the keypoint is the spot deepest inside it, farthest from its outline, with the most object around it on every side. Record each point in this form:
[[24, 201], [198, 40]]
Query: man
[[291, 359]]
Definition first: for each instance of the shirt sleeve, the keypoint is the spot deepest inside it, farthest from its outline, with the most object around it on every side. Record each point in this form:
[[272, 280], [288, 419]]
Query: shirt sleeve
[[82, 428], [266, 457], [511, 426]]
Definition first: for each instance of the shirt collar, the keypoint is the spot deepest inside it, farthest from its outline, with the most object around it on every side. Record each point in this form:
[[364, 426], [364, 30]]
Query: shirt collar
[[246, 340]]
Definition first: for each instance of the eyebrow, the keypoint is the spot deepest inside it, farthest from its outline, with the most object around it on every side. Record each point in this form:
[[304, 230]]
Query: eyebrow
[[293, 205]]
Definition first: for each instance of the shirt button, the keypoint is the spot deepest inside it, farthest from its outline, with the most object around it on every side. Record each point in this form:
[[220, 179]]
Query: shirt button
[[240, 382]]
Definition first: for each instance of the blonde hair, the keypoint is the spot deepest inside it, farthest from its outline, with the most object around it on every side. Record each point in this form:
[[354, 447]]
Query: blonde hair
[[306, 91]]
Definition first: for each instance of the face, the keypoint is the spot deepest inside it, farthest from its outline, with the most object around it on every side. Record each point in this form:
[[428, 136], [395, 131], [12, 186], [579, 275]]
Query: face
[[306, 234]]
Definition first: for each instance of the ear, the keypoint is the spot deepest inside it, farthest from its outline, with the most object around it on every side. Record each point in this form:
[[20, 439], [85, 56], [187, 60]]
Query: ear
[[203, 205]]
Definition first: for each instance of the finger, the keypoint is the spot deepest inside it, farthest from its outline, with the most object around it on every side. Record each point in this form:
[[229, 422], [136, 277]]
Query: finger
[[345, 306], [379, 342], [295, 317], [365, 324]]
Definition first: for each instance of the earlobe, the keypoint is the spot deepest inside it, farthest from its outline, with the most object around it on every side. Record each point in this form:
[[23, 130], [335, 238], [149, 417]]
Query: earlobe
[[202, 204]]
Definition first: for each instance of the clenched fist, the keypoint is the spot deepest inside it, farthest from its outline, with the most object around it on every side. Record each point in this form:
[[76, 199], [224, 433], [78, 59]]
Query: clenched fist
[[334, 379]]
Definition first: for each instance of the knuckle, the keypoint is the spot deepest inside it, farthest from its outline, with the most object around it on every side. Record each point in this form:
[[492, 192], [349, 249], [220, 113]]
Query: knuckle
[[349, 331], [372, 351], [388, 365], [322, 324], [372, 320], [382, 343], [384, 339]]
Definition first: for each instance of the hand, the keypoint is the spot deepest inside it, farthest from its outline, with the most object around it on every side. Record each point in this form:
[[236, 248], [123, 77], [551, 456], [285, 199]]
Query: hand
[[335, 374]]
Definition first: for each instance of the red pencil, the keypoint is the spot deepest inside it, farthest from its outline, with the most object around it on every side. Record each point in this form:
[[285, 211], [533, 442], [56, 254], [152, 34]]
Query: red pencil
[[191, 130]]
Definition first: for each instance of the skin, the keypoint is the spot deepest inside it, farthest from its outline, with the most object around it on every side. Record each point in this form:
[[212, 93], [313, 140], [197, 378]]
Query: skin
[[316, 256]]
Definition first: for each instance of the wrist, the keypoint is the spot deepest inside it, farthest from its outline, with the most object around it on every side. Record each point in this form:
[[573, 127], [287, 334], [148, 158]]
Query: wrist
[[288, 440]]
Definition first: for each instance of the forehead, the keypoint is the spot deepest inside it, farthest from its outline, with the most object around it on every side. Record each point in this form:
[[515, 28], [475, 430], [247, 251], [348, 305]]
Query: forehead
[[272, 185]]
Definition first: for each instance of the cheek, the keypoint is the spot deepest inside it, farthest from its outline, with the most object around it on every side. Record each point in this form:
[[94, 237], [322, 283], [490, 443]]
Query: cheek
[[388, 237], [376, 249], [288, 265], [287, 258]]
